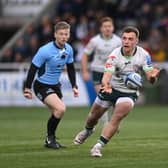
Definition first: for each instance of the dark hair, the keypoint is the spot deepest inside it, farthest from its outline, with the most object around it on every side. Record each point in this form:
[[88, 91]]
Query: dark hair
[[61, 25], [129, 29], [105, 19]]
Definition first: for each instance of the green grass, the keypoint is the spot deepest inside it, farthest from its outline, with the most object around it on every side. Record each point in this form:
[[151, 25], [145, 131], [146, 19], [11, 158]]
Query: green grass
[[141, 143]]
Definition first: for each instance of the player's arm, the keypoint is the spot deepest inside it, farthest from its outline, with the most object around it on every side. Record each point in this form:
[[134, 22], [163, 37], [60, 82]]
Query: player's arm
[[72, 78], [106, 87], [84, 66], [28, 83], [89, 49], [151, 71], [108, 71], [152, 74], [37, 61]]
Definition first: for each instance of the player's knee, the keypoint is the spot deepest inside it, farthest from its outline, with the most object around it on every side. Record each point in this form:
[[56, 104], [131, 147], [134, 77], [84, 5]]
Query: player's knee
[[62, 109], [59, 111], [120, 116], [127, 106]]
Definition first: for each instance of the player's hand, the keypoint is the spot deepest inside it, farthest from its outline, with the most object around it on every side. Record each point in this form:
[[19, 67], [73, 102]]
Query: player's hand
[[86, 76], [28, 93], [75, 92], [154, 74], [106, 89]]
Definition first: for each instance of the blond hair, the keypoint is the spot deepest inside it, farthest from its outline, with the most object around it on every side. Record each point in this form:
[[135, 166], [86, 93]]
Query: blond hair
[[61, 25]]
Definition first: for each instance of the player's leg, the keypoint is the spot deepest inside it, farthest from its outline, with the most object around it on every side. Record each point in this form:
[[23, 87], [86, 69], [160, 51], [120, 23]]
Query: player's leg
[[51, 97], [104, 118], [97, 110], [122, 108], [57, 108]]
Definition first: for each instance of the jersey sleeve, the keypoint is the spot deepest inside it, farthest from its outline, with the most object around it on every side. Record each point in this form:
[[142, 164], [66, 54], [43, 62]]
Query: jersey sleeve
[[39, 58], [71, 55], [90, 47], [110, 63], [147, 64]]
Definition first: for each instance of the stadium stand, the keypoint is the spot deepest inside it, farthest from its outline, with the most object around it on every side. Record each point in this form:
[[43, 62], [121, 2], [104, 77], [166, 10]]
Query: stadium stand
[[149, 16]]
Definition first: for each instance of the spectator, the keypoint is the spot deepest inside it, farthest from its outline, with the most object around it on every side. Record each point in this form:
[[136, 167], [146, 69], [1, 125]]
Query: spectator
[[7, 56], [20, 51], [83, 15]]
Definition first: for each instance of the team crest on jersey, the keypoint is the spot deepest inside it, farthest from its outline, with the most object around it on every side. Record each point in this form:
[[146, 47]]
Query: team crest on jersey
[[63, 53]]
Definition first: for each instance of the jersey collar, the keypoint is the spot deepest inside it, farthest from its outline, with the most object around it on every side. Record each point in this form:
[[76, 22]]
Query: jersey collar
[[58, 46], [122, 52], [109, 38]]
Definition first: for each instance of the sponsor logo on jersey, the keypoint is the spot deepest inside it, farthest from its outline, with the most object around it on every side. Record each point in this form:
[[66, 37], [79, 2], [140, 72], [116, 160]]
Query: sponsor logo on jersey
[[148, 60], [111, 57], [108, 65]]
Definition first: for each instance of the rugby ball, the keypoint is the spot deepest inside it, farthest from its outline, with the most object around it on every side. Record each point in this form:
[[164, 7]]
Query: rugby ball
[[133, 80]]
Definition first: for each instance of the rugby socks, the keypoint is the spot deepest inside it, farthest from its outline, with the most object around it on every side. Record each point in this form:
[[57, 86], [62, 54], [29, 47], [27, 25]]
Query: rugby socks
[[52, 125], [102, 141], [89, 129]]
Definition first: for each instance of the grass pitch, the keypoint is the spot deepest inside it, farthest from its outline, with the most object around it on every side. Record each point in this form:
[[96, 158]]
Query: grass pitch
[[141, 143]]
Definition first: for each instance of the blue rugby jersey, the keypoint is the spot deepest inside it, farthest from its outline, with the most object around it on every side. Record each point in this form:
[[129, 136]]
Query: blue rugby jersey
[[50, 60]]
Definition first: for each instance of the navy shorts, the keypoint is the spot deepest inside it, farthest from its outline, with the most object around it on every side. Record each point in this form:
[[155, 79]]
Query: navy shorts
[[97, 77], [42, 90], [113, 97]]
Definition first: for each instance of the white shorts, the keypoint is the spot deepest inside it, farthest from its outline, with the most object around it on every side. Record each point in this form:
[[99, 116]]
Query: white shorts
[[107, 104]]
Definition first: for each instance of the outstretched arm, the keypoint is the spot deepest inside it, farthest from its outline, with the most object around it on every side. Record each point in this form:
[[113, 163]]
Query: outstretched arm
[[153, 74], [106, 87]]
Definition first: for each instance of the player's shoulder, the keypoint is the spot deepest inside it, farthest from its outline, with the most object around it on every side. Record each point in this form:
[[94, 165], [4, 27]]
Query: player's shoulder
[[142, 50], [115, 53], [96, 38], [47, 46], [68, 46], [116, 37], [117, 50]]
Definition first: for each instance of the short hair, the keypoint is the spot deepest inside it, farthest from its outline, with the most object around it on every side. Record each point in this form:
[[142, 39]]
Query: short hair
[[61, 25], [130, 29], [106, 19]]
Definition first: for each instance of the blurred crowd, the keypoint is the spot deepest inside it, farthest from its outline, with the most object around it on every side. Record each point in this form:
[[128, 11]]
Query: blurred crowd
[[150, 16]]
